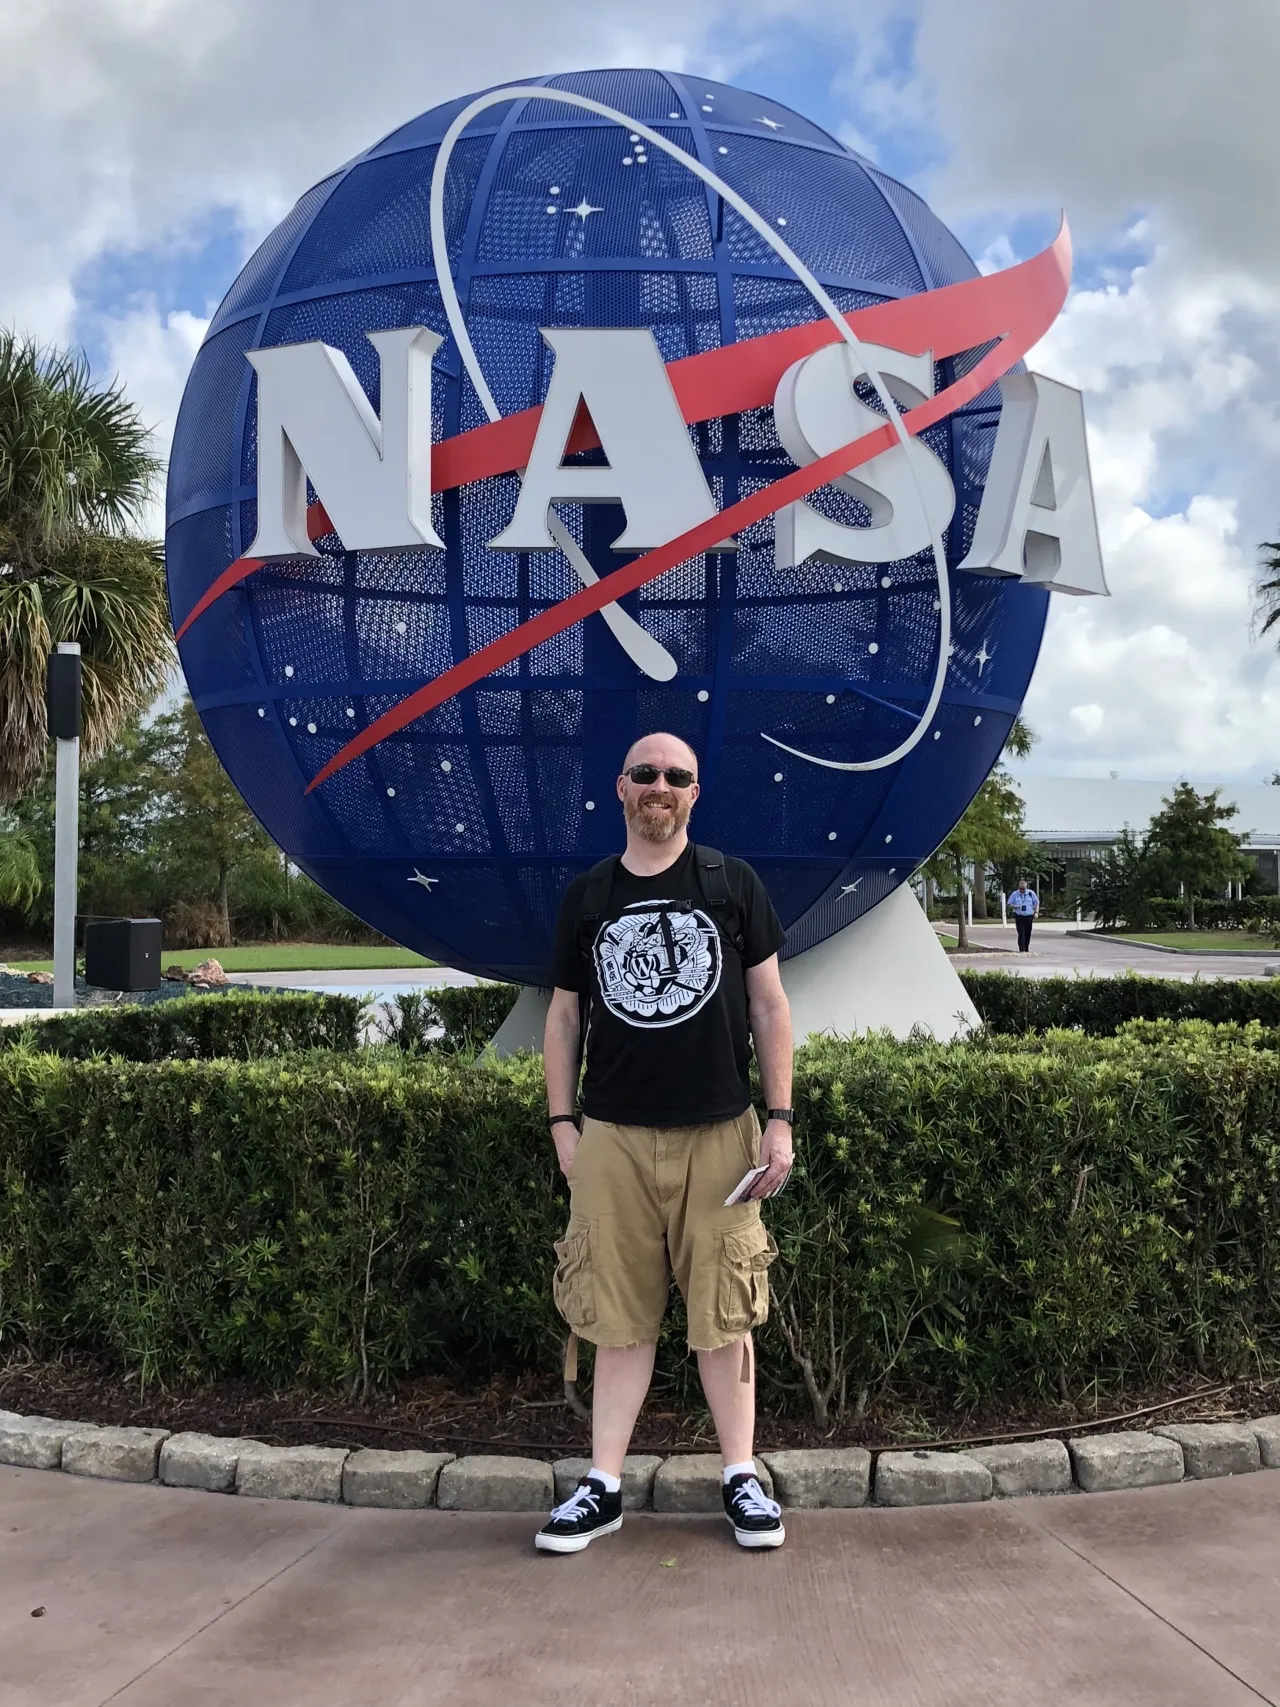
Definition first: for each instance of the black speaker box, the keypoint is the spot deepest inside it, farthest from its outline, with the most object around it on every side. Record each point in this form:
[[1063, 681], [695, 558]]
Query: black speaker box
[[123, 954], [62, 696]]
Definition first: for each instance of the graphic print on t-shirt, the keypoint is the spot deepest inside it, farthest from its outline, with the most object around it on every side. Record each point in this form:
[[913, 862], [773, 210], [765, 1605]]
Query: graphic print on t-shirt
[[658, 963]]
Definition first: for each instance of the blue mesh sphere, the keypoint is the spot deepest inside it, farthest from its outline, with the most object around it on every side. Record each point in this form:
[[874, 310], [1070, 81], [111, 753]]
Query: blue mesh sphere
[[458, 834]]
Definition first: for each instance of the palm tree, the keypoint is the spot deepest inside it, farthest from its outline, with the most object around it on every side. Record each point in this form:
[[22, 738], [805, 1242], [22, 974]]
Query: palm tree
[[76, 469]]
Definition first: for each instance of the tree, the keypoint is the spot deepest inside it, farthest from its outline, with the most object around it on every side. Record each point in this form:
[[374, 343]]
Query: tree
[[1187, 848], [121, 795], [20, 880], [204, 829], [990, 830], [75, 471], [1116, 886]]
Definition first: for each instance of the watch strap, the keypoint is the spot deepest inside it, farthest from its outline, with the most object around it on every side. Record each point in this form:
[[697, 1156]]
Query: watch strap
[[562, 1120], [787, 1114]]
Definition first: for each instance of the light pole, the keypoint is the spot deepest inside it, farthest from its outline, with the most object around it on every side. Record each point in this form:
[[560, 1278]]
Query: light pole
[[64, 726]]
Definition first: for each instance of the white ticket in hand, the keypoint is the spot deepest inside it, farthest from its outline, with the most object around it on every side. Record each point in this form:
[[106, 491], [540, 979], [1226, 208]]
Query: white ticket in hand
[[739, 1192]]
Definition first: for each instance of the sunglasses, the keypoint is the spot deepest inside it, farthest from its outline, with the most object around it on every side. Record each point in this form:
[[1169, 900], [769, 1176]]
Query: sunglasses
[[644, 775]]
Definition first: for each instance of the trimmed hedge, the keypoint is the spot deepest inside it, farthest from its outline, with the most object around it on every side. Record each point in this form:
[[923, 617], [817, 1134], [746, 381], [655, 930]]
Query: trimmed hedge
[[197, 1027], [977, 1218], [1010, 1004]]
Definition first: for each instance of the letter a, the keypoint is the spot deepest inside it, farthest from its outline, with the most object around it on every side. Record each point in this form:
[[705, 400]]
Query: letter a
[[653, 471], [1037, 520], [372, 476]]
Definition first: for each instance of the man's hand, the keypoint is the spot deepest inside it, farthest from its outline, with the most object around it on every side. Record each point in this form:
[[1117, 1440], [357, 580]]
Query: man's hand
[[566, 1139], [777, 1154]]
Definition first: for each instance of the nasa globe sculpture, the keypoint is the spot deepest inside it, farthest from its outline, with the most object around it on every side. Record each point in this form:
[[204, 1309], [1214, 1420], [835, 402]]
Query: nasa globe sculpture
[[603, 403]]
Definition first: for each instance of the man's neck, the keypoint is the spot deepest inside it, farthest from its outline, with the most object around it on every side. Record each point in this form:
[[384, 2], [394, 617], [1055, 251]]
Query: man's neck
[[644, 858]]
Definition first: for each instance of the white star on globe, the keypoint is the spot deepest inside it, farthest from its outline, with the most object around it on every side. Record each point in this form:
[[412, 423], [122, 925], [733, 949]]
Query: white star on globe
[[427, 882], [848, 888], [584, 210], [982, 658], [772, 123]]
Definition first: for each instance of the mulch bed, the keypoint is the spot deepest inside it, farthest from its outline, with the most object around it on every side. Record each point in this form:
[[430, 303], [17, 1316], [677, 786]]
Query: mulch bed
[[529, 1416]]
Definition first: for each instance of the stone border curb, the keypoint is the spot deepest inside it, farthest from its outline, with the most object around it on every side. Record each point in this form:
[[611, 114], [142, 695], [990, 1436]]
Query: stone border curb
[[833, 1478]]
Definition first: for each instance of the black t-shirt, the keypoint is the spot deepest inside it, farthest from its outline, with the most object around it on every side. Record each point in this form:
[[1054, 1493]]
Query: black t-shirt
[[667, 1037]]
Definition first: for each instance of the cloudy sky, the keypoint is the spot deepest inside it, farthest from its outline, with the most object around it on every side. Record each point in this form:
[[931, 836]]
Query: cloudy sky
[[152, 143]]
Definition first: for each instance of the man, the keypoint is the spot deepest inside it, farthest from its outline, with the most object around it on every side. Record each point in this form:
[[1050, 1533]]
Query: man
[[671, 954], [1024, 904]]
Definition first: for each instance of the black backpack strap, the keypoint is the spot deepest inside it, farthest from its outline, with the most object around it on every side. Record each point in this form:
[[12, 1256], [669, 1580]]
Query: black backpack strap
[[595, 904], [713, 881]]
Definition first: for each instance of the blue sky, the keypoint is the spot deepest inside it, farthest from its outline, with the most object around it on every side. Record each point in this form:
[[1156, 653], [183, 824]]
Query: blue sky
[[161, 141]]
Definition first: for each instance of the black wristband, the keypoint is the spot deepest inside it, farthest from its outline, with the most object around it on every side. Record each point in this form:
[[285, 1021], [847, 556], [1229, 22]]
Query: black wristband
[[787, 1114], [562, 1119]]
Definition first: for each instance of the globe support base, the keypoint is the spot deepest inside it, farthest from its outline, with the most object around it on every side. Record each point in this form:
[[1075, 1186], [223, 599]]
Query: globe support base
[[885, 972]]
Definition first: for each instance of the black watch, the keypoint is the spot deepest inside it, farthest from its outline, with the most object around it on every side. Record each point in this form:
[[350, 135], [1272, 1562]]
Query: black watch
[[787, 1114]]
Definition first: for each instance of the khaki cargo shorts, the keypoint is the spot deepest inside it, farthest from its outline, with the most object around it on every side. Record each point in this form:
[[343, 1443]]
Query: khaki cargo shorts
[[647, 1202]]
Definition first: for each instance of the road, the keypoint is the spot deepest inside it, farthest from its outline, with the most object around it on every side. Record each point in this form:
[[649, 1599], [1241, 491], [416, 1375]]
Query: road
[[156, 1597]]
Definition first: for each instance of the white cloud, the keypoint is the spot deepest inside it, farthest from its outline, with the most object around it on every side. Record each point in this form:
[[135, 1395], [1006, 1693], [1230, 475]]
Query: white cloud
[[134, 121], [154, 353], [1162, 677]]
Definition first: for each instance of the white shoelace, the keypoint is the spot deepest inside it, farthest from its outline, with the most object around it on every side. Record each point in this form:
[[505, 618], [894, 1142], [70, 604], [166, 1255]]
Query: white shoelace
[[751, 1500], [583, 1500]]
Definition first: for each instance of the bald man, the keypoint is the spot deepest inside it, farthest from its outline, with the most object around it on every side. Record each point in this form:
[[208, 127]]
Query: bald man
[[671, 953]]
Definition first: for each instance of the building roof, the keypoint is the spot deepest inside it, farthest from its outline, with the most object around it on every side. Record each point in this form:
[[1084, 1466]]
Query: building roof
[[1090, 809]]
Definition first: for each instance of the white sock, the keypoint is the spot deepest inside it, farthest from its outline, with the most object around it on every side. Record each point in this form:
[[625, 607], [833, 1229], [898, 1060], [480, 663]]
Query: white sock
[[611, 1483], [732, 1470]]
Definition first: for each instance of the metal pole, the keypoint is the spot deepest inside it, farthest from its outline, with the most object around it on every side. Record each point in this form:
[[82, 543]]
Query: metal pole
[[66, 846]]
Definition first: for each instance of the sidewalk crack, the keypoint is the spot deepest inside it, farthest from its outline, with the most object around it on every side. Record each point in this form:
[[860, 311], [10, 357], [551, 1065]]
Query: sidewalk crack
[[1156, 1614], [216, 1619]]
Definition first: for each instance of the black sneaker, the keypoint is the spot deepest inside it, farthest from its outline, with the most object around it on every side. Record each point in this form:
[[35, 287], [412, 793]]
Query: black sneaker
[[756, 1519], [592, 1511]]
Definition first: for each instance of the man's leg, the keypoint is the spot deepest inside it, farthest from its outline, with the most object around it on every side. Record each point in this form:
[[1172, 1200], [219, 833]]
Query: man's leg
[[732, 1400], [622, 1377]]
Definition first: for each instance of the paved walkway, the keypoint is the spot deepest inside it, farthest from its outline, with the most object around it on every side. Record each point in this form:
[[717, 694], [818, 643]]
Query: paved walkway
[[1058, 948], [155, 1597]]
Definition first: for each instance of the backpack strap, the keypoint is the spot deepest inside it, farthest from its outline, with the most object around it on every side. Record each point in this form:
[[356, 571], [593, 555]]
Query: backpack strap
[[595, 904], [713, 881]]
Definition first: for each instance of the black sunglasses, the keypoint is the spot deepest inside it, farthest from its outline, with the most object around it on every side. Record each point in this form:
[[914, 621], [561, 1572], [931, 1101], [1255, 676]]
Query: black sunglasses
[[643, 775]]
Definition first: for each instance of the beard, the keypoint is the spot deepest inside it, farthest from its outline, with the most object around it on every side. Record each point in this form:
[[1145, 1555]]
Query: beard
[[657, 817]]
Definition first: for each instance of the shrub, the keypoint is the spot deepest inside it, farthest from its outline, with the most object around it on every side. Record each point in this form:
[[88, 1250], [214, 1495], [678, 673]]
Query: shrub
[[197, 1027], [975, 1217], [1010, 1004]]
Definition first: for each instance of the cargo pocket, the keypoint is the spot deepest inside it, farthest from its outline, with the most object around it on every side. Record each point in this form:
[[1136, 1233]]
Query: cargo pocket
[[574, 1287], [742, 1298]]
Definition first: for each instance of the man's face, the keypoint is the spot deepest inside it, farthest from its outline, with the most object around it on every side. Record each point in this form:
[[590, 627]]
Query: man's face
[[1022, 886], [655, 810]]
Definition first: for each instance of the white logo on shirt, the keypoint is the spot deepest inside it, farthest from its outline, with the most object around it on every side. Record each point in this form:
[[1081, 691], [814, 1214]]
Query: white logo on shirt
[[657, 964]]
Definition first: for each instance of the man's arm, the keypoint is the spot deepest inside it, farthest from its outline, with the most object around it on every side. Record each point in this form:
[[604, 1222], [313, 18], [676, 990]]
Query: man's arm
[[560, 1065], [769, 1014]]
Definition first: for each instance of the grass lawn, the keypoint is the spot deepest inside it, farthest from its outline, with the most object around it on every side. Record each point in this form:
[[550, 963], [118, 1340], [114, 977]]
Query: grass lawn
[[1198, 942], [276, 957]]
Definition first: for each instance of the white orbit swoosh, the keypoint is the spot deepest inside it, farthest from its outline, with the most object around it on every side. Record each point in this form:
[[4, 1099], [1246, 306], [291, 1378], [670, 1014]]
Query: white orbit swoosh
[[458, 327]]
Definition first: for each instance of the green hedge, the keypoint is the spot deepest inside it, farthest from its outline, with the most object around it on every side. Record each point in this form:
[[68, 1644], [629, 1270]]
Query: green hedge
[[1008, 1004], [197, 1027], [978, 1218], [1011, 1004]]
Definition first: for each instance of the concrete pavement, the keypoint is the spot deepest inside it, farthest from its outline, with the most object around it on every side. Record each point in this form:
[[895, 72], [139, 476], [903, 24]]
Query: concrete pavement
[[155, 1597], [1059, 949]]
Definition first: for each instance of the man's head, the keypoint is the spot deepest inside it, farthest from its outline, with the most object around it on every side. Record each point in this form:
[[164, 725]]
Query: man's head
[[1022, 885], [655, 809]]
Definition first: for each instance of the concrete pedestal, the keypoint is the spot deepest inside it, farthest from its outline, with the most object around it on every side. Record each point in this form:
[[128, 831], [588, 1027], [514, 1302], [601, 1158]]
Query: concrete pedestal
[[885, 972]]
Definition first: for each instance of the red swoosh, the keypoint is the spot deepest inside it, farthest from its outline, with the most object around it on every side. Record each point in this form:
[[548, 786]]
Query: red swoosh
[[744, 376], [1016, 307]]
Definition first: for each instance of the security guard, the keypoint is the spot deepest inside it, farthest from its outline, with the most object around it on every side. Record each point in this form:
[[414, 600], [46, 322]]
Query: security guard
[[1024, 904]]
